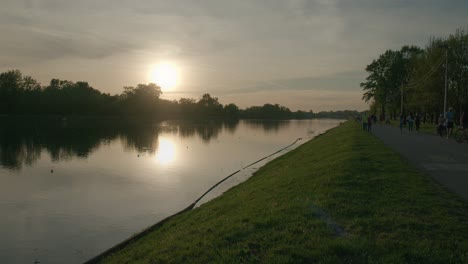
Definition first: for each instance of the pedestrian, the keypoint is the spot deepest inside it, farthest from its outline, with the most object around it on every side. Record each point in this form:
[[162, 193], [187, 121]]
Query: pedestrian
[[402, 122], [441, 125], [410, 120], [417, 122], [450, 115]]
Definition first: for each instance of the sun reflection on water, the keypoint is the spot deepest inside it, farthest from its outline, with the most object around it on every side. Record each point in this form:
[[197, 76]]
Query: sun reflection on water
[[166, 152]]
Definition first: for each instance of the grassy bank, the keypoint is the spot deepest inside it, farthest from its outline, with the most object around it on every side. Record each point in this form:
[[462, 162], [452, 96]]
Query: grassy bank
[[340, 198]]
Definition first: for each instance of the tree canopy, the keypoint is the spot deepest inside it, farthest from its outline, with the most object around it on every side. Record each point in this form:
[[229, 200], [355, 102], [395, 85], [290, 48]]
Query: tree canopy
[[413, 78]]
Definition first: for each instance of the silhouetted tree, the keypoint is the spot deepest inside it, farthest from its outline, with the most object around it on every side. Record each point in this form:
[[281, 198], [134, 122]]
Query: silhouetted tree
[[231, 110], [141, 100], [209, 105], [270, 111]]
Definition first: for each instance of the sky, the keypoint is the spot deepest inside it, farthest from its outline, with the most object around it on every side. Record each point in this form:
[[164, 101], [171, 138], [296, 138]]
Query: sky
[[306, 55]]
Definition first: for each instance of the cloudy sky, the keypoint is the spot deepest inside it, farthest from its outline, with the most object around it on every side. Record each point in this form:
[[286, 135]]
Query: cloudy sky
[[298, 53]]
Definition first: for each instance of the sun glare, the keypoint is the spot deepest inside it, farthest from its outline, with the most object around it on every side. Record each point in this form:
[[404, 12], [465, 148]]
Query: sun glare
[[165, 75], [166, 151]]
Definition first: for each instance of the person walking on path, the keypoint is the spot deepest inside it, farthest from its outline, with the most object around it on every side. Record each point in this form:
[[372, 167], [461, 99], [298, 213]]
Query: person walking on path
[[441, 125], [410, 122], [417, 122], [364, 121], [402, 122], [449, 116]]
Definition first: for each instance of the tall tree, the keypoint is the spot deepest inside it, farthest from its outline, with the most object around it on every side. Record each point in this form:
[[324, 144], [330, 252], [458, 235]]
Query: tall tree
[[457, 45], [387, 77]]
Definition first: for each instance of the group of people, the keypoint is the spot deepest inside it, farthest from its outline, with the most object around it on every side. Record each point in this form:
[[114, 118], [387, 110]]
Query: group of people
[[412, 120], [367, 121], [445, 123]]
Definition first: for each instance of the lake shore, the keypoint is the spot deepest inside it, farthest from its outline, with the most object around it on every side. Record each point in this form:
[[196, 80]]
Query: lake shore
[[342, 197]]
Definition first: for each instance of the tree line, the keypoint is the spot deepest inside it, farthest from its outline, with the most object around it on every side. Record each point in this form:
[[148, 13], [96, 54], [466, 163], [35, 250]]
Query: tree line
[[23, 95], [412, 79]]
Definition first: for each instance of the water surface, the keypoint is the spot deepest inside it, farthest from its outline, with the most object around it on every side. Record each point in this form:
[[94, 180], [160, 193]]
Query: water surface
[[70, 189]]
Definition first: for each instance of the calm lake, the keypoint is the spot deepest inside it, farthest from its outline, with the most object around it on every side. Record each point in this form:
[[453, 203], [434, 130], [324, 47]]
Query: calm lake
[[70, 189]]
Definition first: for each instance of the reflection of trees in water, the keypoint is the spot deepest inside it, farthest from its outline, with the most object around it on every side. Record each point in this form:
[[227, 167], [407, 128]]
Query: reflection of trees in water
[[207, 130], [141, 139], [16, 151], [267, 125], [22, 141], [187, 131], [231, 125]]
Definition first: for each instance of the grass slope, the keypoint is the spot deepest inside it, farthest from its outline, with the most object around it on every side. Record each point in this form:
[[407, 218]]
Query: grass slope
[[341, 198]]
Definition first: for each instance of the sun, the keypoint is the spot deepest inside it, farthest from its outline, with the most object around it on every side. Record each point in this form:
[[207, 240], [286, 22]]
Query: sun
[[165, 75]]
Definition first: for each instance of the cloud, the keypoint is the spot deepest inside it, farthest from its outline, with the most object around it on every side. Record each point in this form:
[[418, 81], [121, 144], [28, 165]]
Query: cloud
[[224, 46], [335, 82], [37, 44]]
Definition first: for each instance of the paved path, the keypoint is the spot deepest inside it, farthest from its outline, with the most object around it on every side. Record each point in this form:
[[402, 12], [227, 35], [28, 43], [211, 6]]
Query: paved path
[[444, 159]]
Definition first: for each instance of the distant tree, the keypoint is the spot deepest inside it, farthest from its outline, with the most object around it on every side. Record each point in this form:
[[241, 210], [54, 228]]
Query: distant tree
[[24, 95], [209, 105], [269, 111], [143, 99], [346, 114], [187, 106], [10, 91], [18, 93], [150, 91], [187, 101], [30, 85], [231, 110]]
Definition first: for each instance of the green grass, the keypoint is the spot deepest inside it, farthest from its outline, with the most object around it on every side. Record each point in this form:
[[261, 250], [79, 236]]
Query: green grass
[[341, 198]]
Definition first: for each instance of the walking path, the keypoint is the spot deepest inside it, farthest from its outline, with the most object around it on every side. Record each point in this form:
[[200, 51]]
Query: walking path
[[442, 158]]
